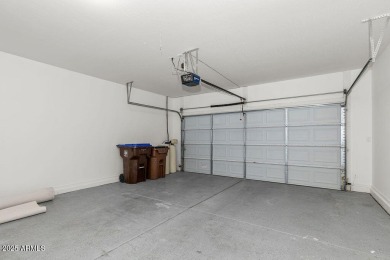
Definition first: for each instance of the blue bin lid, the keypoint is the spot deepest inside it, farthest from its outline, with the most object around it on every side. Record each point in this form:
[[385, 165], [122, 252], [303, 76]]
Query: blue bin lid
[[134, 145]]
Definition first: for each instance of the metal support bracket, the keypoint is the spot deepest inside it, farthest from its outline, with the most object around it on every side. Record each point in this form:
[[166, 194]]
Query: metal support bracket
[[129, 86], [190, 65], [374, 48]]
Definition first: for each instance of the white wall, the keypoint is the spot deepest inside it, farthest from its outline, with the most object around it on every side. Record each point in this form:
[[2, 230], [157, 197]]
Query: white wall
[[59, 128], [359, 131], [381, 129], [358, 117]]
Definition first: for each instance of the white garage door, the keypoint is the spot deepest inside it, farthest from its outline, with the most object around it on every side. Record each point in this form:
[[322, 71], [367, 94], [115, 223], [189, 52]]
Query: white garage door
[[303, 145]]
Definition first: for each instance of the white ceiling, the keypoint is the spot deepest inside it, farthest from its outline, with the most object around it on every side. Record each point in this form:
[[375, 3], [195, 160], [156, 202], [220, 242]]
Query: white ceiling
[[251, 42]]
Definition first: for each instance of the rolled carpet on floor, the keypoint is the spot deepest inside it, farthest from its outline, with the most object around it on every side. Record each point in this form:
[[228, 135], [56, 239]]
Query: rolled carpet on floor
[[39, 196], [20, 211]]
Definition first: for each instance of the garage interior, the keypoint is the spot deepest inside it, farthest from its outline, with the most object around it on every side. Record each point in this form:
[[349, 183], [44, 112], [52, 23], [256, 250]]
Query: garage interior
[[275, 114]]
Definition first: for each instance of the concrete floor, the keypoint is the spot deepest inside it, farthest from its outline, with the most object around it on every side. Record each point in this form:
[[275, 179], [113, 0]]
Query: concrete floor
[[195, 216]]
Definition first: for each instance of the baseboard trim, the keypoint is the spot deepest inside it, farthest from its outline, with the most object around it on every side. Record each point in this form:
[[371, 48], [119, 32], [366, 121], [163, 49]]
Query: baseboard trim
[[85, 185], [361, 188], [381, 199]]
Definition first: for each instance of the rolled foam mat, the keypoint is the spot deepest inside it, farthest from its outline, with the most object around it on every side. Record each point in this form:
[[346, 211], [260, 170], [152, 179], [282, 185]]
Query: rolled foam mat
[[39, 196], [20, 211]]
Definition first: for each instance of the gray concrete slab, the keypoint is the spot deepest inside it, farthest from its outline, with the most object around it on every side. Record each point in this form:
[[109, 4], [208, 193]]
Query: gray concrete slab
[[84, 224], [195, 216], [348, 219], [196, 235], [182, 188]]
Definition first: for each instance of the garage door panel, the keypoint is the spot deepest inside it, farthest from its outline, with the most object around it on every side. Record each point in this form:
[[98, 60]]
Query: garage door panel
[[266, 118], [327, 135], [315, 177], [228, 136], [264, 136], [190, 123], [327, 156], [197, 165], [264, 154], [228, 152], [265, 172], [230, 169], [197, 122], [299, 115], [197, 151], [190, 165], [319, 115], [327, 114], [315, 156], [197, 137], [314, 135], [234, 120], [299, 135]]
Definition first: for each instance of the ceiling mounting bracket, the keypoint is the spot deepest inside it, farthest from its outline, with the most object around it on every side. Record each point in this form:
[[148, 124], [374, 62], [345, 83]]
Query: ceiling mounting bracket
[[374, 48], [189, 64]]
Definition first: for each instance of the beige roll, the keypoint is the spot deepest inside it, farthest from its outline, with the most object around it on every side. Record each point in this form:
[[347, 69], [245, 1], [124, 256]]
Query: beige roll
[[172, 159], [167, 162], [20, 211], [39, 196], [172, 156]]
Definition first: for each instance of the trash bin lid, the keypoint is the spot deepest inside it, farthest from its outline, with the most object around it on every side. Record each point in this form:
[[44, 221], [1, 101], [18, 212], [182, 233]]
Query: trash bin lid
[[134, 145], [159, 151]]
